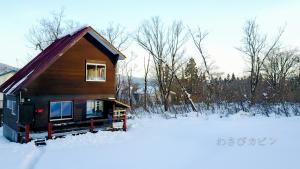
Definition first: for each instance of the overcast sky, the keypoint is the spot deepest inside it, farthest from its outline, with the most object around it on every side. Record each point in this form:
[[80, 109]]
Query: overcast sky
[[223, 20]]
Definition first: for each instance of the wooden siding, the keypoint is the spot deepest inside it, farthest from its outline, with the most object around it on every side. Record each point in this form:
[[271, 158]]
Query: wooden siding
[[79, 109], [67, 76]]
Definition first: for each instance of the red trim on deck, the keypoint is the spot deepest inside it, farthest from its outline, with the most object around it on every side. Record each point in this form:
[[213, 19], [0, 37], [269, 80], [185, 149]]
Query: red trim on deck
[[124, 122], [92, 126], [50, 126]]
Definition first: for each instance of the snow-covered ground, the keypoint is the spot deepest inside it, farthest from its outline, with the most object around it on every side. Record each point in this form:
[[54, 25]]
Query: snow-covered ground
[[206, 142]]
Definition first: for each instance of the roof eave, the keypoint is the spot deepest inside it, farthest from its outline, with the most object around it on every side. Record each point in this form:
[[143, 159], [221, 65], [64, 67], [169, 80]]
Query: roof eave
[[106, 44], [122, 57]]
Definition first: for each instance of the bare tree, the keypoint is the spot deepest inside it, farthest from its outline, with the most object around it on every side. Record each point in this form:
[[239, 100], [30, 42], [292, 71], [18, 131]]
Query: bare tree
[[129, 85], [256, 48], [126, 82], [48, 30], [277, 68], [129, 68], [165, 47], [117, 36], [198, 37], [146, 74]]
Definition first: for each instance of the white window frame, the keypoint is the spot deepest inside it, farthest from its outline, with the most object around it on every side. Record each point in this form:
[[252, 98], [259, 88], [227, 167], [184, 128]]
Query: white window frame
[[13, 107], [68, 118], [94, 64]]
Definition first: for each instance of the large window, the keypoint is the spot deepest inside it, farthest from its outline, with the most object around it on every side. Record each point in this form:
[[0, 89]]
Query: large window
[[95, 72], [61, 110], [94, 108], [12, 105]]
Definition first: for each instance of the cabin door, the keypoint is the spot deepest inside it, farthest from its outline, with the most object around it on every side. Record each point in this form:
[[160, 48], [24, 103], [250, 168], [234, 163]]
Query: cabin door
[[79, 110], [26, 115]]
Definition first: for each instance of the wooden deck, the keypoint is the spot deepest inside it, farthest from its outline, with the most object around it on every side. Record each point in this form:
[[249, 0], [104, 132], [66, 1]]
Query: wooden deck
[[61, 129]]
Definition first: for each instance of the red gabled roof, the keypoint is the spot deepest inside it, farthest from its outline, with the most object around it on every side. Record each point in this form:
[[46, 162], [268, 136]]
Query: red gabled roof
[[47, 57]]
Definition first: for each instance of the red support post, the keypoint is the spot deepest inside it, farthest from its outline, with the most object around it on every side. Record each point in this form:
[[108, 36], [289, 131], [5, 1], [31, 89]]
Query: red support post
[[92, 126], [113, 119], [18, 128], [50, 130], [27, 129], [124, 122], [18, 131]]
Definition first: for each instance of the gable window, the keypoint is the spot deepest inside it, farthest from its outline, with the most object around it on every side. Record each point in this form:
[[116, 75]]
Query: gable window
[[61, 110], [12, 105], [95, 72], [94, 108]]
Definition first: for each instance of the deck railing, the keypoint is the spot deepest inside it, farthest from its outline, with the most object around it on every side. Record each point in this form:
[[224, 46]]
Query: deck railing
[[91, 124]]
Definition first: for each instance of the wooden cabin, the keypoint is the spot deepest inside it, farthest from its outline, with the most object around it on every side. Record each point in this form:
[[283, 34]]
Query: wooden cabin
[[70, 86]]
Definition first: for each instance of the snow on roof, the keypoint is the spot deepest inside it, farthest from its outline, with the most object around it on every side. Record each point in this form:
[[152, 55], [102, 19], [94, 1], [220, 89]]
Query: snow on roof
[[11, 89], [8, 86], [72, 31]]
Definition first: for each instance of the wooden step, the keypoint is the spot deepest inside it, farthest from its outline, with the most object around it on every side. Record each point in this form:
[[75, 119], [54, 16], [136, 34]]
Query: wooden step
[[40, 142]]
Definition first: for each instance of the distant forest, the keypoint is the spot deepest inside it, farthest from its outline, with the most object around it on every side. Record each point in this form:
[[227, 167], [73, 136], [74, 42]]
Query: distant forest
[[172, 79]]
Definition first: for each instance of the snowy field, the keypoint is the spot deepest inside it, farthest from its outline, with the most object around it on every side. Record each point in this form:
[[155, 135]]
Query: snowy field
[[206, 142]]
